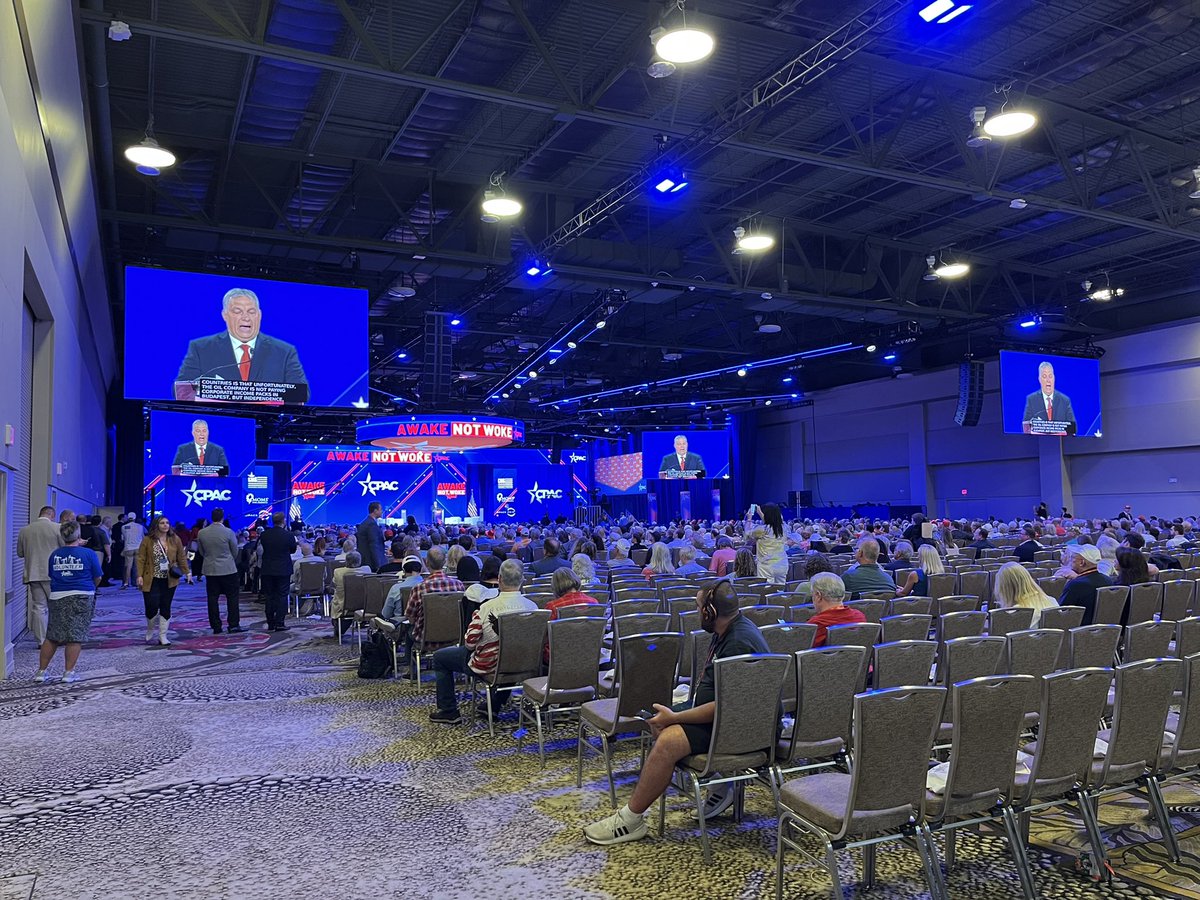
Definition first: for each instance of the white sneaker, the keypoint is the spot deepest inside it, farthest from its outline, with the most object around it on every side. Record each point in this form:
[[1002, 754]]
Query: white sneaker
[[69, 676], [615, 830], [40, 676], [719, 799]]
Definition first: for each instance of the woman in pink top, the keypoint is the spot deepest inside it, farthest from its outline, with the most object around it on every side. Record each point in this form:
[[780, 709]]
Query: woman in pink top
[[722, 556]]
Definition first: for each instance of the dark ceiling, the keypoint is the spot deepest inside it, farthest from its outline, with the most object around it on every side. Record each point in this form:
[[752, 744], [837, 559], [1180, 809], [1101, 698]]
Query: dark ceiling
[[349, 142]]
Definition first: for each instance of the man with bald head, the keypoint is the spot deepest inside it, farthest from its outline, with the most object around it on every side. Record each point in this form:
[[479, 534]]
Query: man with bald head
[[867, 574], [242, 352]]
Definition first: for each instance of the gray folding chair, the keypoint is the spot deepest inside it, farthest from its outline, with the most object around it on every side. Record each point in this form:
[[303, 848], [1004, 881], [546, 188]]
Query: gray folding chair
[[1181, 746], [1001, 621], [987, 714], [1071, 705], [910, 605], [962, 659], [883, 796], [903, 662], [956, 603], [1062, 618], [623, 626], [354, 589], [522, 636], [312, 586], [943, 585], [376, 594], [570, 680], [801, 613], [583, 611], [906, 627], [1110, 605], [1187, 637], [954, 625], [1034, 652], [1052, 585], [649, 662], [860, 634], [1094, 646], [635, 607], [1177, 599], [742, 746], [1147, 640], [977, 583], [873, 610], [789, 639], [824, 690], [765, 615], [1144, 601], [677, 606], [443, 628]]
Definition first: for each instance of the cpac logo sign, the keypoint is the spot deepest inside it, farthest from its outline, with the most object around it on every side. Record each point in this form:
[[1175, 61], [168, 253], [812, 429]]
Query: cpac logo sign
[[370, 487], [538, 495], [200, 496], [576, 457]]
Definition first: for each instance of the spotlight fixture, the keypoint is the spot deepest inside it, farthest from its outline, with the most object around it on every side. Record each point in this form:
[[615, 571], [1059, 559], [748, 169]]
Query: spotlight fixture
[[147, 155], [601, 322], [752, 241], [1105, 294], [1010, 123], [671, 181], [1195, 193], [533, 373], [401, 355], [931, 273], [676, 43], [940, 12], [505, 395], [403, 287], [742, 372], [979, 136], [660, 68], [456, 321], [497, 204], [952, 270], [1033, 322], [571, 345], [890, 356], [536, 268], [1018, 203], [787, 379], [871, 348]]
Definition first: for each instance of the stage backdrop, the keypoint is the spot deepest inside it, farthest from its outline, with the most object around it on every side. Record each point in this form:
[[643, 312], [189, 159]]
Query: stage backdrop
[[335, 483]]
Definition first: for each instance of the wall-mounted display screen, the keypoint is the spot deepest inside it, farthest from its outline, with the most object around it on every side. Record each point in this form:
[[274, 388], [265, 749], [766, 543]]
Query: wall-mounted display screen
[[1050, 395]]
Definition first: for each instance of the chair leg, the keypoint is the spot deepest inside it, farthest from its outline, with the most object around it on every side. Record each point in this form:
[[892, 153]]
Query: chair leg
[[612, 785], [579, 755], [869, 867], [519, 734], [704, 843], [537, 711], [1017, 849], [779, 851], [831, 864], [951, 849], [929, 861], [662, 811], [1088, 812], [1158, 804], [491, 721]]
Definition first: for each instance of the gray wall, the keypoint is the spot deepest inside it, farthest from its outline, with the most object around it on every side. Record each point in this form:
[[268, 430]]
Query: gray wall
[[895, 441], [50, 258]]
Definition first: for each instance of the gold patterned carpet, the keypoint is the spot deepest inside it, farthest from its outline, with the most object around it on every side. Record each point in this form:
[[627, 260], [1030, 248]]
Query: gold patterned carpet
[[259, 766]]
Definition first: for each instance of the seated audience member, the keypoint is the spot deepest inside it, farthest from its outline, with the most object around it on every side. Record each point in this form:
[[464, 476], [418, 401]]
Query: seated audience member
[[743, 564], [981, 541], [722, 557], [828, 597], [866, 574], [1081, 590], [354, 566], [468, 569], [306, 558], [1015, 587], [843, 544], [1026, 550], [396, 562], [348, 545], [1136, 541], [1179, 538], [814, 565], [320, 547], [438, 582], [584, 569], [688, 731], [1132, 567], [483, 590], [949, 544], [917, 583], [1107, 545], [552, 560], [619, 557], [902, 557], [687, 563], [398, 593], [480, 651], [567, 592], [454, 553], [660, 562]]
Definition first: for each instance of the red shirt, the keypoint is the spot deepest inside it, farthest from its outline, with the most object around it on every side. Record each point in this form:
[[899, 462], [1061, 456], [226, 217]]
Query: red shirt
[[572, 599], [839, 615]]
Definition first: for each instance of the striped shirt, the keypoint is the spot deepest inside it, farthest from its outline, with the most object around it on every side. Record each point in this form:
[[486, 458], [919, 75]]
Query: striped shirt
[[436, 583], [482, 640]]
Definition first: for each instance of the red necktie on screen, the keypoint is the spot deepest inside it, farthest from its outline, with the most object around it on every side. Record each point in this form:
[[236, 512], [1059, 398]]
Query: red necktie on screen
[[201, 457], [244, 363], [681, 463], [1050, 408]]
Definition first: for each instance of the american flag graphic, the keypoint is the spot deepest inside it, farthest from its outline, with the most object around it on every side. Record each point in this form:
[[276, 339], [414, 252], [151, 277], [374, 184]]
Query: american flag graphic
[[619, 472], [294, 510], [472, 509]]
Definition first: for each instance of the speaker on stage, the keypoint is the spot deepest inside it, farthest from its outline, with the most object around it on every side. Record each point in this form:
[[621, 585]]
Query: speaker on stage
[[970, 393]]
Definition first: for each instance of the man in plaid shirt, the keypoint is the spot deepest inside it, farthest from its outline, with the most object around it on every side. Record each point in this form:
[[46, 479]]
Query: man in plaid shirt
[[438, 582]]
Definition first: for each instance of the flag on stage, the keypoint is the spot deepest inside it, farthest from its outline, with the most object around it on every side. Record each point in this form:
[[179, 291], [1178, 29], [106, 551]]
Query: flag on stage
[[472, 509], [294, 511]]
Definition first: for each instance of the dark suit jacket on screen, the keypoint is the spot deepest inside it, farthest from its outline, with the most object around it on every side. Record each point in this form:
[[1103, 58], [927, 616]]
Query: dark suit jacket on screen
[[1035, 407], [214, 455], [692, 462], [213, 356]]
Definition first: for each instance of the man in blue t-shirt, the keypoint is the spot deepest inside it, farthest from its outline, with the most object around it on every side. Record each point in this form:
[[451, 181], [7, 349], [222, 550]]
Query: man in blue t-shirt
[[74, 574]]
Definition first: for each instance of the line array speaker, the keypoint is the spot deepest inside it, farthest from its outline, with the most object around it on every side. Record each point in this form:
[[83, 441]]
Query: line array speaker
[[970, 393]]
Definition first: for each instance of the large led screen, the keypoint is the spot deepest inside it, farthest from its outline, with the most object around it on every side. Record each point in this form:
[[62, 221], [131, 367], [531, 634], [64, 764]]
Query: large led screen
[[1050, 395]]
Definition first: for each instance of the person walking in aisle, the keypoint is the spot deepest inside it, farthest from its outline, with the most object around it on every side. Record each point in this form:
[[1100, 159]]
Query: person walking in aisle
[[132, 535], [161, 563], [278, 544], [35, 542], [74, 575], [217, 546]]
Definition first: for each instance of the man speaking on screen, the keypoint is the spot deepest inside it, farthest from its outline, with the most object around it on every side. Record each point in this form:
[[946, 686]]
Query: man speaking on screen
[[200, 456], [242, 352], [1047, 404], [681, 464]]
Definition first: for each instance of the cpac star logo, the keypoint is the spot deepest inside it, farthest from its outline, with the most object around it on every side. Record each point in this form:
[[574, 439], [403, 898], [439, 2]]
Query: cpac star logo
[[360, 403], [577, 457], [200, 496], [538, 495], [370, 487]]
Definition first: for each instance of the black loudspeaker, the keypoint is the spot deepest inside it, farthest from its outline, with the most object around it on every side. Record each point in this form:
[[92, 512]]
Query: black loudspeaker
[[970, 393], [799, 498], [556, 449]]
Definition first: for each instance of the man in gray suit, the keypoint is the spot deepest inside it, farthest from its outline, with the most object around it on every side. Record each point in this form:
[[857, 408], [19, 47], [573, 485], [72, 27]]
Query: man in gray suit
[[35, 542], [219, 548]]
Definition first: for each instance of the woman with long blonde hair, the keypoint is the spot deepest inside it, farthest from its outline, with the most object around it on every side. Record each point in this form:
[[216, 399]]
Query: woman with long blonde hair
[[1016, 587], [928, 563], [660, 562]]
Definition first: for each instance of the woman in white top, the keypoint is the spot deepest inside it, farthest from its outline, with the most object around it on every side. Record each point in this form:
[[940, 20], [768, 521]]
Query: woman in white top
[[1016, 587], [769, 543]]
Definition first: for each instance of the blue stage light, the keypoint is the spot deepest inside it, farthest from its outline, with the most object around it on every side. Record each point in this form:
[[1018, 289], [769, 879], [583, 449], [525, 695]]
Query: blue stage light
[[672, 182], [456, 321], [787, 379], [401, 355], [943, 11], [1029, 323], [890, 357], [534, 270]]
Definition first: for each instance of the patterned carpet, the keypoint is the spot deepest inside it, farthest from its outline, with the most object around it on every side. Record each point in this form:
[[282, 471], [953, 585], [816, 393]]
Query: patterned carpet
[[259, 766]]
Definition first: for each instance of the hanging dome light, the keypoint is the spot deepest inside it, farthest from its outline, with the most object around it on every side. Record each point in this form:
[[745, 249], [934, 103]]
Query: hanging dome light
[[952, 270], [677, 43], [753, 241], [149, 155], [497, 204], [1010, 123]]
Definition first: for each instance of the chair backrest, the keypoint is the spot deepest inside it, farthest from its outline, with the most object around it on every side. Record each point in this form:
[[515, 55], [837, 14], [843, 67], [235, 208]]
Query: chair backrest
[[959, 624], [872, 609], [902, 606], [893, 735], [1094, 646], [1072, 702], [903, 662], [1144, 601], [969, 657], [976, 583], [640, 555], [1177, 599], [677, 605], [354, 589], [825, 688], [377, 591], [943, 585], [648, 663], [906, 627], [443, 621], [1033, 651], [312, 579], [1064, 618], [638, 623], [1002, 621], [765, 615], [858, 634], [522, 635], [635, 607], [574, 652], [1147, 640], [689, 620], [1185, 749], [1187, 637], [1052, 585], [789, 639], [801, 613], [1110, 604], [1142, 700], [956, 603], [583, 610], [747, 690], [987, 714]]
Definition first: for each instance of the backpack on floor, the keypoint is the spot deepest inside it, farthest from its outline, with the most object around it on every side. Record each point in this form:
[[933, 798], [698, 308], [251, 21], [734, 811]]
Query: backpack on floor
[[376, 659]]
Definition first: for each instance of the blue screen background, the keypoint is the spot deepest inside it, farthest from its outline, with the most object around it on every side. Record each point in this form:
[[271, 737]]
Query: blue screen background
[[165, 310], [170, 429], [713, 447], [1078, 378]]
